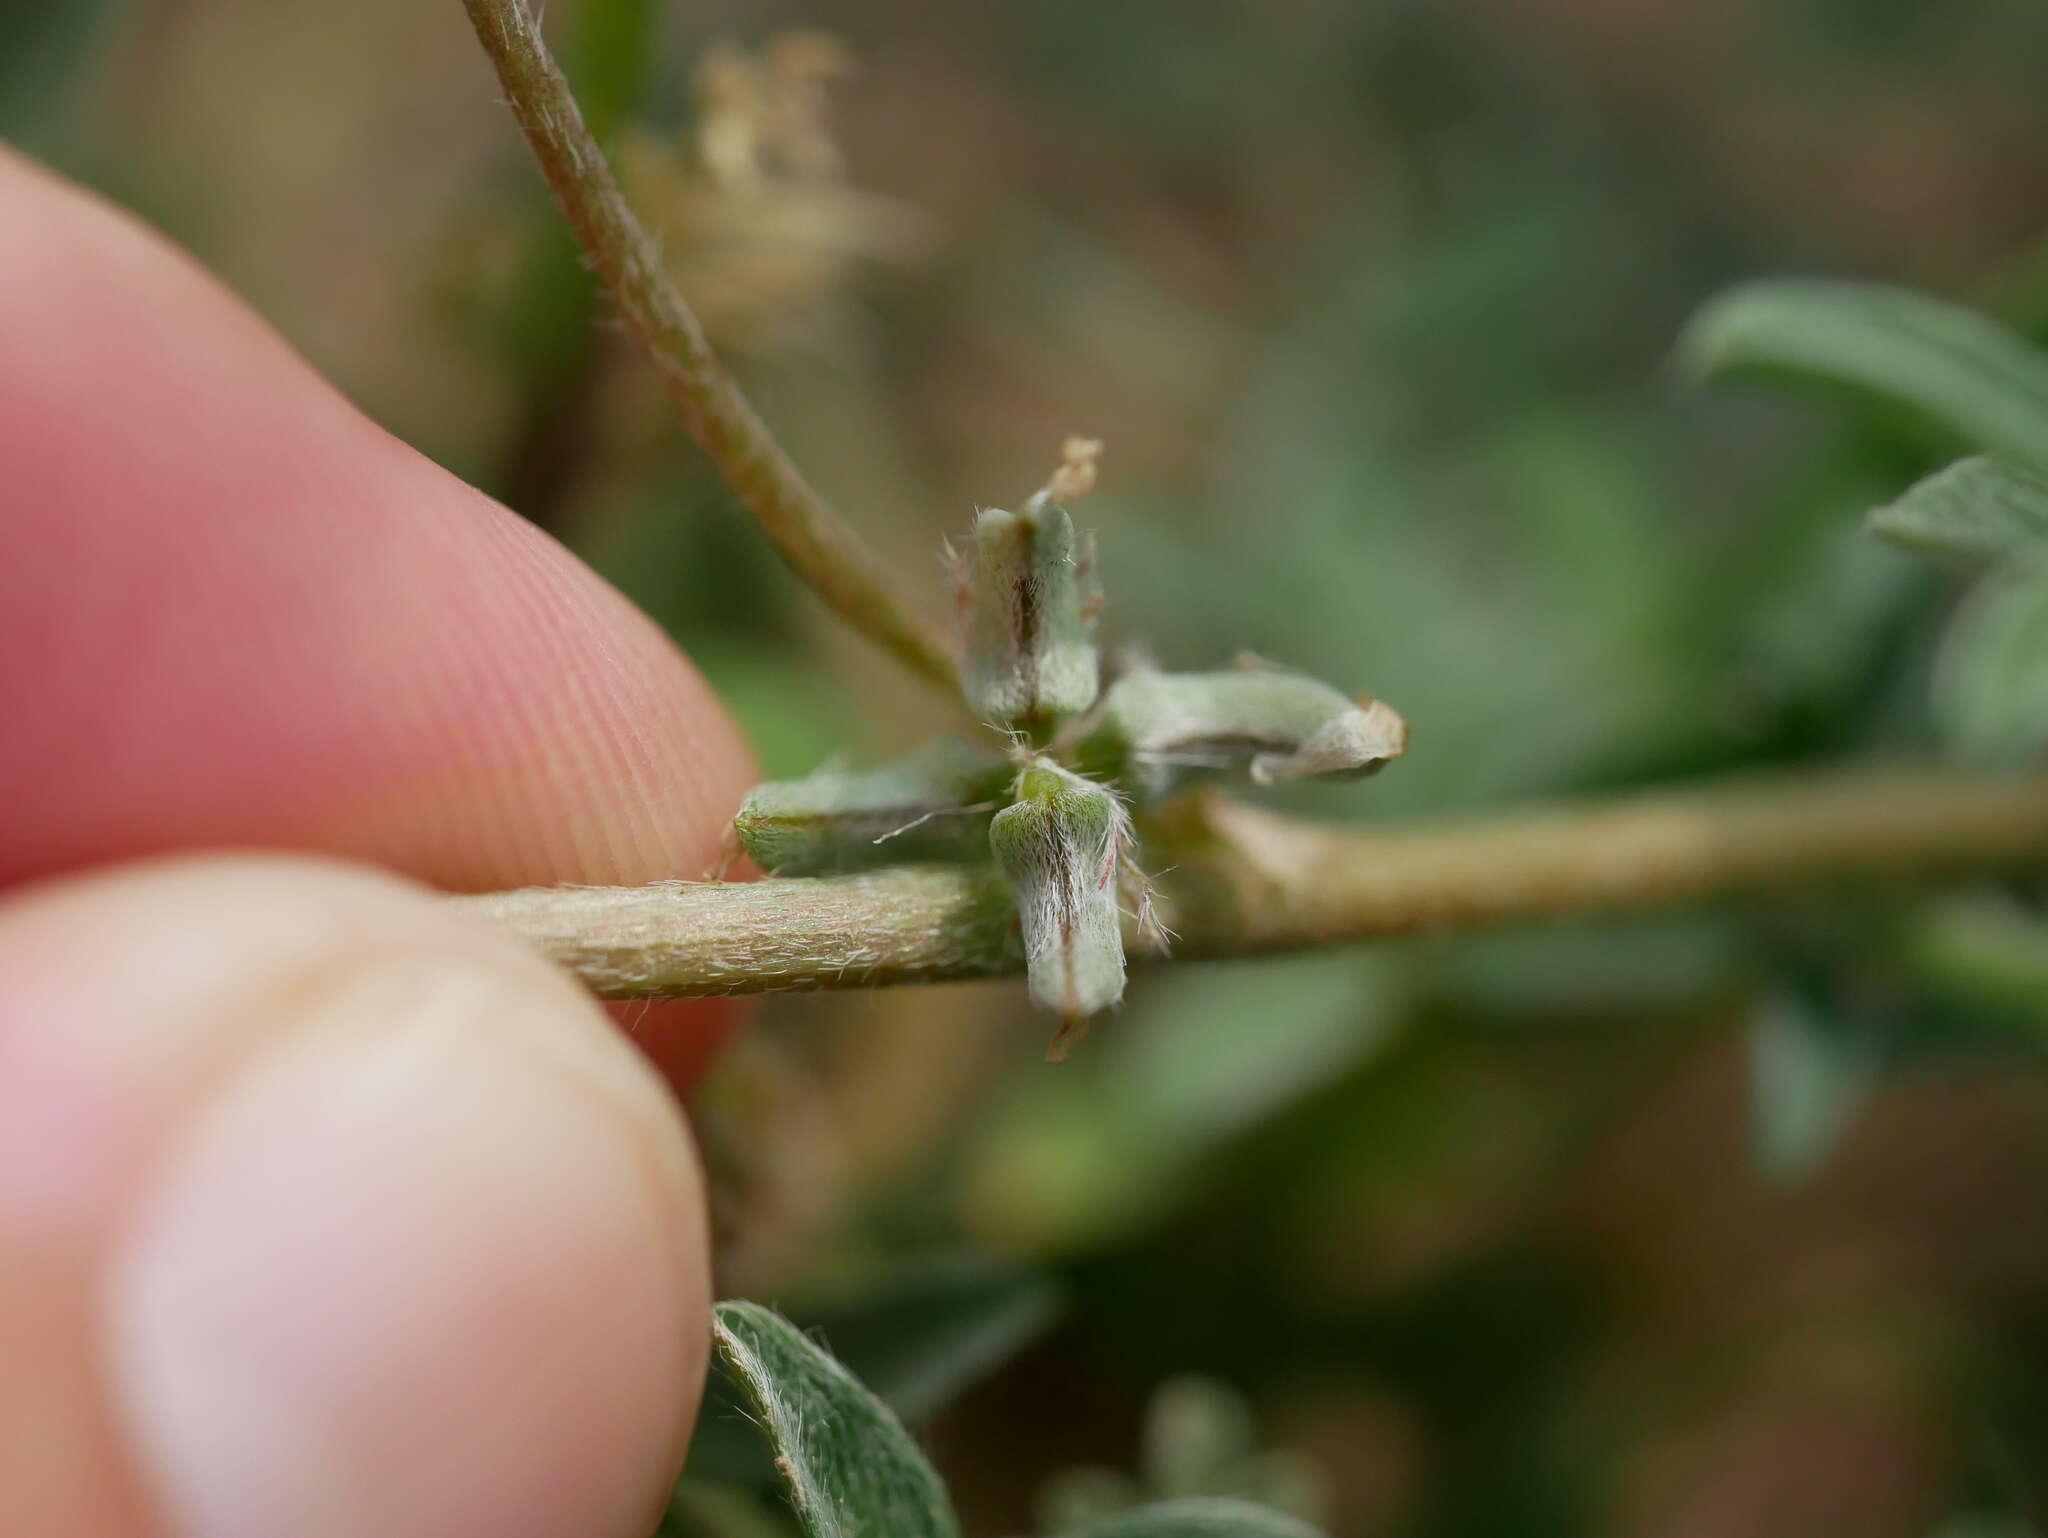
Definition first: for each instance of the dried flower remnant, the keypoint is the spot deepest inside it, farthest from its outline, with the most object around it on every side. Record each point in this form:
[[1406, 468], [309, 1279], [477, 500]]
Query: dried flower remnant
[[1060, 847], [756, 219]]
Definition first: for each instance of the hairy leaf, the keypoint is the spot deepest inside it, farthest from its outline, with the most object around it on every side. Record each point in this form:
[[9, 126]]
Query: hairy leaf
[[1060, 848], [850, 1468], [932, 804], [1944, 362], [1159, 729], [1974, 513], [1030, 660]]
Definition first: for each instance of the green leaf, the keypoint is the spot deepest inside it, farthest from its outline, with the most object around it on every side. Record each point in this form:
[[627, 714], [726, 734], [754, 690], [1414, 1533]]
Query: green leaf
[[917, 1337], [923, 1336], [1807, 1079], [1991, 678], [1030, 660], [1161, 729], [1060, 847], [1939, 360], [42, 49], [1203, 1518], [1196, 1429], [1976, 512], [1983, 951], [930, 804], [849, 1466]]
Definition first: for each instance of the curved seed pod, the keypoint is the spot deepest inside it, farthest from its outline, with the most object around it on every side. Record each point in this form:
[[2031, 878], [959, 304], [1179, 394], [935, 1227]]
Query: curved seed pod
[[1160, 729], [1059, 847], [933, 804], [1030, 660]]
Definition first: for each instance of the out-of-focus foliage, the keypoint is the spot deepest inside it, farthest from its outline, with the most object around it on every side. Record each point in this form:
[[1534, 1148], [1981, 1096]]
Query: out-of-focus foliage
[[1374, 304]]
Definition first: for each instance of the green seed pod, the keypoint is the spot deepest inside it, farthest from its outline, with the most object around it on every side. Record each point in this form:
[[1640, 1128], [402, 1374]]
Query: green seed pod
[[1161, 729], [1030, 659], [1059, 847], [933, 804]]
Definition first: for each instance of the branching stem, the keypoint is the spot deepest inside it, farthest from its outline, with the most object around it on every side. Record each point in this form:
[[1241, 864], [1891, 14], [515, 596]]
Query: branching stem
[[1245, 882], [811, 537]]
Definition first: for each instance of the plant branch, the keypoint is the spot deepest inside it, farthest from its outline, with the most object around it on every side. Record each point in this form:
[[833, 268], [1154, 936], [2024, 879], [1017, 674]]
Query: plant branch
[[811, 537], [1246, 882]]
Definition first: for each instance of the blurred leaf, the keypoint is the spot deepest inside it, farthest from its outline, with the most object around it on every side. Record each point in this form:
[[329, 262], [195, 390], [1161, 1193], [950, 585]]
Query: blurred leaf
[[849, 1466], [1985, 1525], [1195, 1429], [1991, 678], [1808, 1075], [42, 45], [1202, 1518], [1200, 1055], [924, 1336], [1084, 1498], [1201, 1440], [1200, 1445], [700, 1509], [1975, 512], [1983, 952], [1941, 361]]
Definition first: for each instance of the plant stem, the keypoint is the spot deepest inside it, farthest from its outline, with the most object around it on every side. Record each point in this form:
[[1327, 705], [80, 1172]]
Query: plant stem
[[1245, 882], [811, 537]]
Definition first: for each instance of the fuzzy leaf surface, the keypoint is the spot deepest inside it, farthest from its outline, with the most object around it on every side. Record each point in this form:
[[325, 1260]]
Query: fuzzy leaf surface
[[849, 1466], [1939, 360]]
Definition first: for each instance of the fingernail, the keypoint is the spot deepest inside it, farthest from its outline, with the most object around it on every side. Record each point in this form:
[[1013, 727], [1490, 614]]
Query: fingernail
[[414, 1270]]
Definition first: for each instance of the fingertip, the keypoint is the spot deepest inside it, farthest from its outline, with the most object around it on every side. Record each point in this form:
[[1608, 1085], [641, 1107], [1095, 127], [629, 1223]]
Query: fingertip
[[390, 1231], [259, 619]]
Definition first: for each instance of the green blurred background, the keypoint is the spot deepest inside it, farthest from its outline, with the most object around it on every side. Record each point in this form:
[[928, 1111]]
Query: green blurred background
[[1724, 1223]]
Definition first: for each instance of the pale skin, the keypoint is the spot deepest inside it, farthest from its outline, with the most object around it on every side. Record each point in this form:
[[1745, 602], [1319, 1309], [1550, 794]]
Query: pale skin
[[324, 1208]]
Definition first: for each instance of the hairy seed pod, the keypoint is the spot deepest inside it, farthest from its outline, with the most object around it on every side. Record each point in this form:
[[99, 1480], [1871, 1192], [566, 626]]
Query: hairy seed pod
[[1059, 847], [1160, 729], [933, 804], [1030, 659]]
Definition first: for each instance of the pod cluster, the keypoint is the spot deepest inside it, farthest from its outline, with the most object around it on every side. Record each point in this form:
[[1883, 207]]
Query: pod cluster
[[1047, 798]]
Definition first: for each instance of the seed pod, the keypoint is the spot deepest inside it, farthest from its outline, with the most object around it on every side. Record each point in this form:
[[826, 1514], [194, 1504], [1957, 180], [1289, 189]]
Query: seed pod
[[1161, 729], [1030, 660], [933, 804], [1058, 847]]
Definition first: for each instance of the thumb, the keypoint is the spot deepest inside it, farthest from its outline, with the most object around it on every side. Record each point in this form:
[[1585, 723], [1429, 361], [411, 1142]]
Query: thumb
[[323, 1211]]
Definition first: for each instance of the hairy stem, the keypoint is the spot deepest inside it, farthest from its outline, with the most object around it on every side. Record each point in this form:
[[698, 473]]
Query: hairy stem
[[1245, 882], [816, 543]]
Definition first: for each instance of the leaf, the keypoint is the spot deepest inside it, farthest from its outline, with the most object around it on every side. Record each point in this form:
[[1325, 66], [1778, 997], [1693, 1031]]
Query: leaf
[[1030, 658], [1807, 1078], [1160, 729], [1211, 1517], [1940, 360], [1976, 512], [930, 804], [849, 1466], [916, 1339], [44, 49], [1984, 952], [1060, 848], [921, 1338], [1196, 1429], [1991, 677]]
